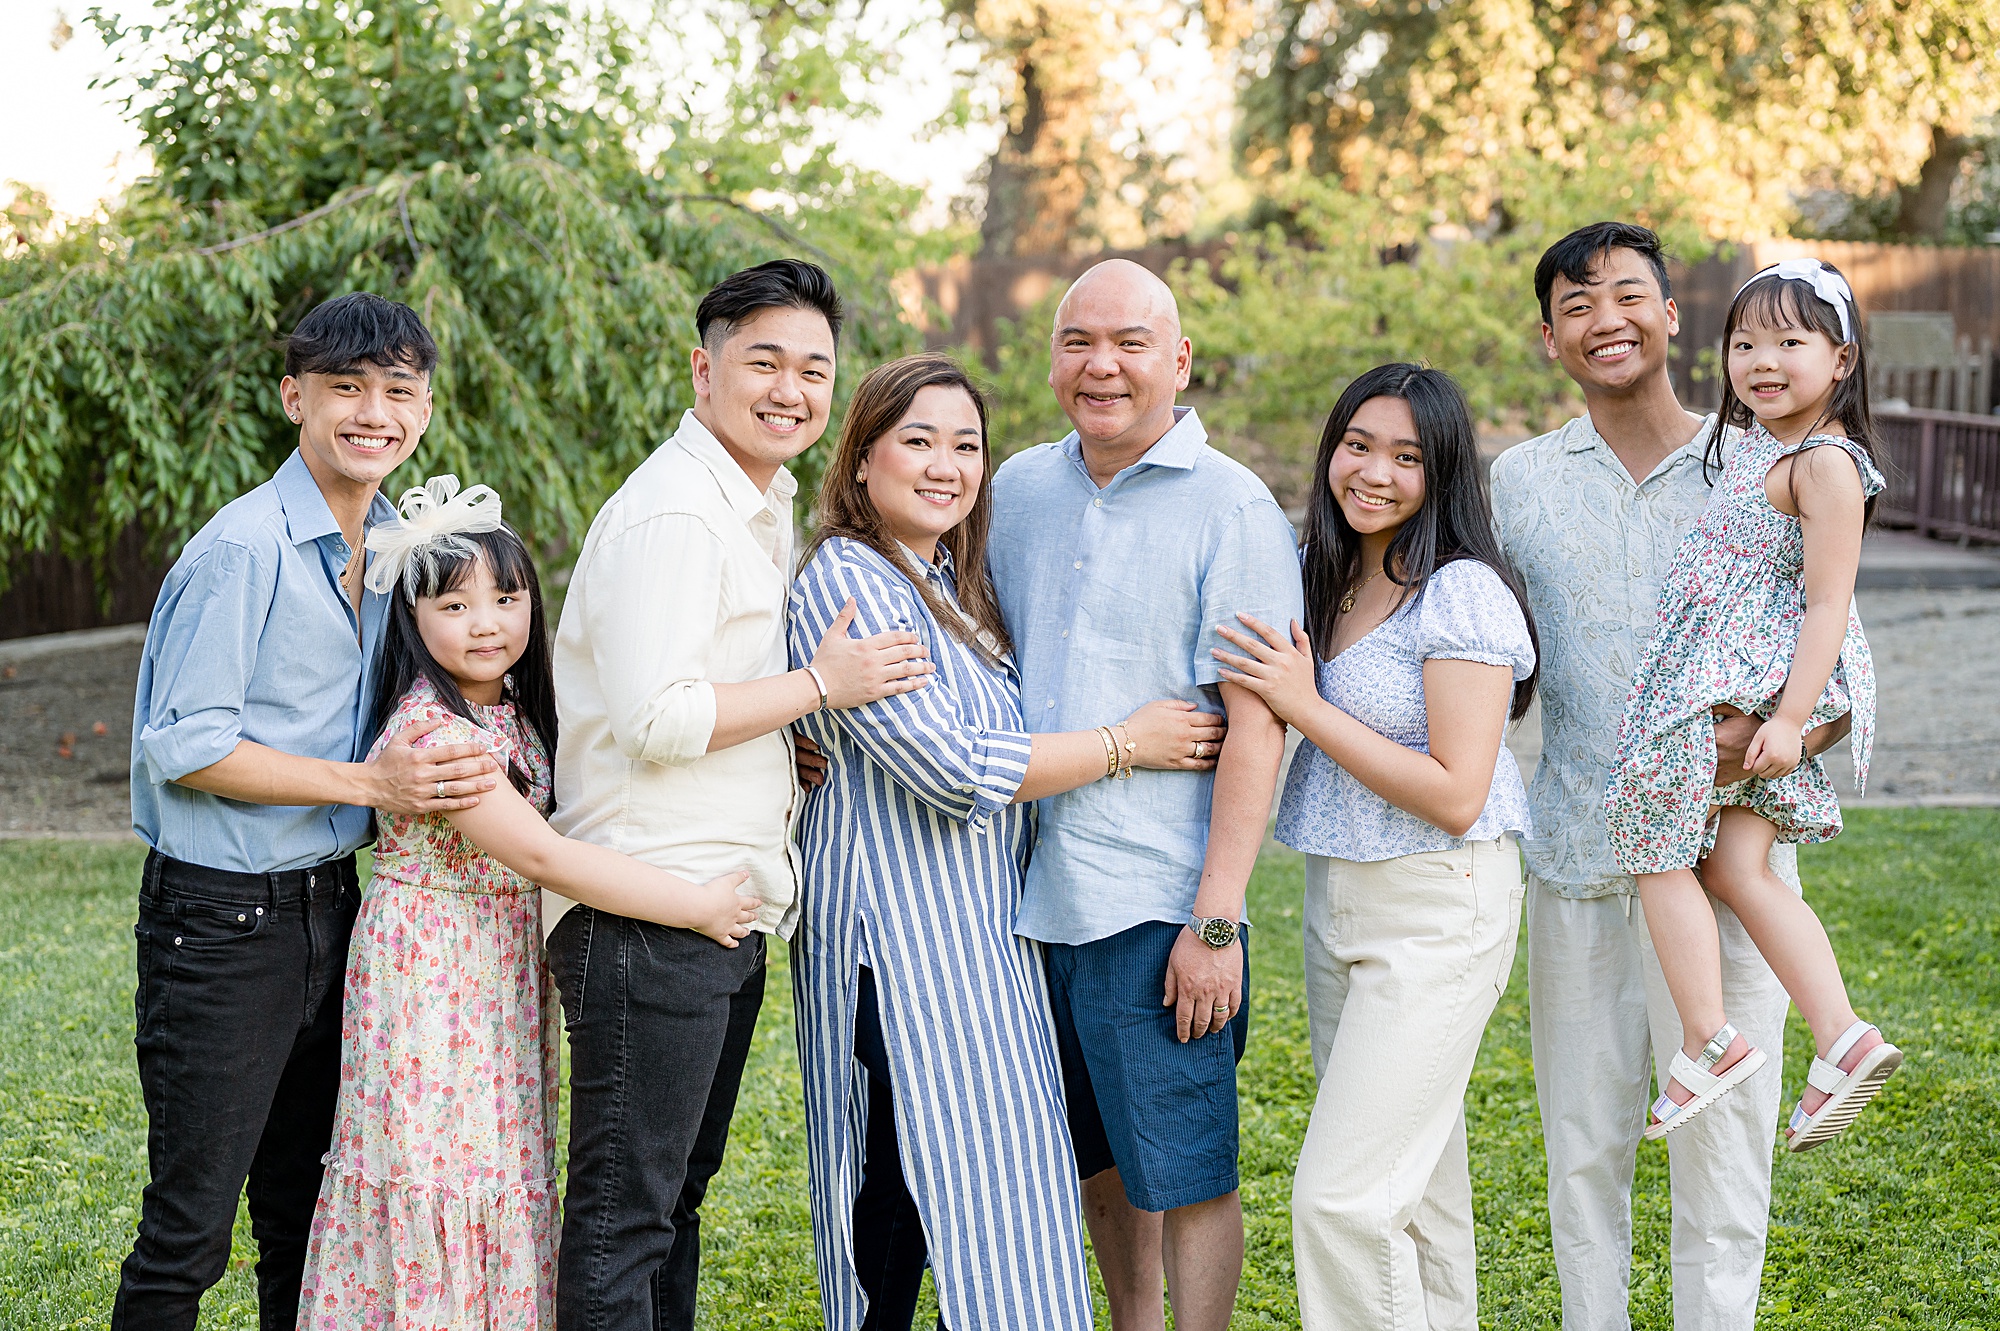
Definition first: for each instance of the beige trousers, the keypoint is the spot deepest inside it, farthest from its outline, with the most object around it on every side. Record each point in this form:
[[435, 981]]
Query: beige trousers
[[1404, 961], [1603, 1026]]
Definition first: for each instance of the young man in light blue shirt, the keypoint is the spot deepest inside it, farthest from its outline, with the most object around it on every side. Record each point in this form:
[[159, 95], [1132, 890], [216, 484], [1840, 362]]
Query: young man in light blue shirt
[[1116, 553], [248, 785]]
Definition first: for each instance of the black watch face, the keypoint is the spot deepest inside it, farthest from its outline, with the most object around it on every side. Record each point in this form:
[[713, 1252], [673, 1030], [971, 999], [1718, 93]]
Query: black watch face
[[1218, 932]]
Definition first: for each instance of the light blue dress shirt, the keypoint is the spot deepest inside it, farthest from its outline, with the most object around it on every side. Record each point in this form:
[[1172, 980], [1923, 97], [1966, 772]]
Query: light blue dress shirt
[[253, 639], [1466, 613], [1112, 597]]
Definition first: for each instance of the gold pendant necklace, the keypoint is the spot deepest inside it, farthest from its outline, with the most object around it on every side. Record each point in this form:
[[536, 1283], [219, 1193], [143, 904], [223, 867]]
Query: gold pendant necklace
[[1347, 601]]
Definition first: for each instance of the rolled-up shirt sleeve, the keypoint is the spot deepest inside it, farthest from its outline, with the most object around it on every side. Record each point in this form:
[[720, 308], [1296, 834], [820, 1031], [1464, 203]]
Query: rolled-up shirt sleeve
[[1253, 570], [655, 597], [204, 653]]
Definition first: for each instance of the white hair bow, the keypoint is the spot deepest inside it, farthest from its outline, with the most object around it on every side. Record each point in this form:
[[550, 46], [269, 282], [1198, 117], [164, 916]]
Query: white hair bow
[[435, 521], [1828, 285]]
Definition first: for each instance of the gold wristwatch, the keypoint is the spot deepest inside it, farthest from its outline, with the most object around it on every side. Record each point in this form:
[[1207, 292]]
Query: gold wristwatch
[[1218, 931]]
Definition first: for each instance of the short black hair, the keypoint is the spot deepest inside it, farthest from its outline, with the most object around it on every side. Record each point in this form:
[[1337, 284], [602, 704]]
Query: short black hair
[[341, 333], [1575, 255], [780, 284]]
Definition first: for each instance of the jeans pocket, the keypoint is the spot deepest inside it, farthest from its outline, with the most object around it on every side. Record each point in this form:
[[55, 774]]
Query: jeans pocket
[[209, 924], [569, 960]]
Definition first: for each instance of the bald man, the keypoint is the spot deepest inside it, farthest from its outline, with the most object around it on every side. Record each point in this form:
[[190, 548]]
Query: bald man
[[1116, 553]]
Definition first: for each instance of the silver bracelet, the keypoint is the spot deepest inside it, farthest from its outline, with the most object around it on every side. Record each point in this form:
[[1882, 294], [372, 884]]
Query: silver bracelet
[[820, 683]]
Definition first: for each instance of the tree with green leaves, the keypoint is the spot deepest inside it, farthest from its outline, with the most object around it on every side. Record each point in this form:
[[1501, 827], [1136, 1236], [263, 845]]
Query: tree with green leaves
[[1738, 108], [476, 161]]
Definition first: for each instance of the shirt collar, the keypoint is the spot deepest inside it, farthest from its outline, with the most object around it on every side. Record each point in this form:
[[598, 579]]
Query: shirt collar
[[1179, 447], [745, 499], [307, 516], [1584, 438], [942, 568]]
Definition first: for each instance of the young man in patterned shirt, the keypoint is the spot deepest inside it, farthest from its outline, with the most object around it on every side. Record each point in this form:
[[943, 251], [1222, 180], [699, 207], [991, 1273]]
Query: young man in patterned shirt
[[1591, 514]]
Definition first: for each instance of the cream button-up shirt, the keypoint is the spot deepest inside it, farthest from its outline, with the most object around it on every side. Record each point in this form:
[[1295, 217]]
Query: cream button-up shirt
[[682, 584]]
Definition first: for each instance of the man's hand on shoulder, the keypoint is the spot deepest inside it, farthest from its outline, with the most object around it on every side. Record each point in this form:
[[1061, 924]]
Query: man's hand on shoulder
[[406, 779]]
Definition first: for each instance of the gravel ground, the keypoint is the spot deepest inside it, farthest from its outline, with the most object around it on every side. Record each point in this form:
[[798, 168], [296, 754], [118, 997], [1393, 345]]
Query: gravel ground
[[1937, 741]]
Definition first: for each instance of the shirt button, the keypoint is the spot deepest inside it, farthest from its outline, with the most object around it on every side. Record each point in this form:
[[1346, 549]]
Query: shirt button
[[1052, 702], [1065, 633], [1077, 564], [1097, 503]]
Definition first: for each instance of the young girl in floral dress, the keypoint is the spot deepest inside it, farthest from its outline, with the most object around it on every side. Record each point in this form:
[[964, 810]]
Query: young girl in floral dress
[[439, 1211], [1756, 619]]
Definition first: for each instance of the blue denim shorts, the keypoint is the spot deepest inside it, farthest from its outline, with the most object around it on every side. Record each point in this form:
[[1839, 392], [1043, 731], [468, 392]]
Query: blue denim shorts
[[1163, 1112]]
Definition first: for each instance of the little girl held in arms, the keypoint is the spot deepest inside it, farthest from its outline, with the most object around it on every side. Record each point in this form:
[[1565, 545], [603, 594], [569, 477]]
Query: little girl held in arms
[[1755, 620], [438, 1208]]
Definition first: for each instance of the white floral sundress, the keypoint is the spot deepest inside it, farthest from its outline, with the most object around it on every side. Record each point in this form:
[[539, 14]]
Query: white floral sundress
[[439, 1209], [1729, 621]]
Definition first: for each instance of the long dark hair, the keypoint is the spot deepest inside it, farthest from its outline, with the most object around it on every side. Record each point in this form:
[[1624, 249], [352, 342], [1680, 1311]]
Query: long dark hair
[[405, 659], [844, 508], [1455, 521], [1791, 302]]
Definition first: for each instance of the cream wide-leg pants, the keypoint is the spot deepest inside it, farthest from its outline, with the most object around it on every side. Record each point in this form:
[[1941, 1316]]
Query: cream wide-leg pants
[[1404, 961], [1603, 1026]]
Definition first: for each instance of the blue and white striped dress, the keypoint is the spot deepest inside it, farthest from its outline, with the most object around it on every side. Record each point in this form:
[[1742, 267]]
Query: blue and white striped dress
[[914, 858]]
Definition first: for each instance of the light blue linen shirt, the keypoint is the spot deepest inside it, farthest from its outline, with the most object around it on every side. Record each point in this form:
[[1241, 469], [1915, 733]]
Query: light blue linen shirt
[[1466, 613], [1112, 597], [1593, 547], [253, 639]]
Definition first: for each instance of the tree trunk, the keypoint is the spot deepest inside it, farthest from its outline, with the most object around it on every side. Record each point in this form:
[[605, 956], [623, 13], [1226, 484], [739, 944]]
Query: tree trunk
[[1038, 183], [1926, 205]]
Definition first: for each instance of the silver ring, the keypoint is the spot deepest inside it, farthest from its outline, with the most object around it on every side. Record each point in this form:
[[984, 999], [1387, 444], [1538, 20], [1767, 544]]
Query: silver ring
[[1222, 1011], [440, 790]]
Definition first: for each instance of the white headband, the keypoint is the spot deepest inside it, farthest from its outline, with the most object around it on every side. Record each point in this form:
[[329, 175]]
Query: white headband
[[1828, 285], [435, 521]]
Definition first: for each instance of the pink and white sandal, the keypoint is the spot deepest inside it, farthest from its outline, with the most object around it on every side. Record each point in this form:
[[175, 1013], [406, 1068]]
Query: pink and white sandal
[[1847, 1093], [1694, 1074]]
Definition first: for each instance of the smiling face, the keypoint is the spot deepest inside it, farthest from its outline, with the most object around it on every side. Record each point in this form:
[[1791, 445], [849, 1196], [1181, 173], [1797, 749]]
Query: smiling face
[[1612, 332], [476, 631], [1786, 374], [1377, 472], [765, 389], [924, 475], [356, 425], [1117, 357]]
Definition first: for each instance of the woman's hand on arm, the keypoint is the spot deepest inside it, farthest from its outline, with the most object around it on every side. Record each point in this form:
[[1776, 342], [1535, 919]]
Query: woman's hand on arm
[[1467, 702], [1164, 733], [509, 829], [857, 671], [1832, 506]]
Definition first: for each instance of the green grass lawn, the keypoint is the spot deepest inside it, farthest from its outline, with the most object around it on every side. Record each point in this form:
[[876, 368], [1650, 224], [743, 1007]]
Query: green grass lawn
[[1897, 1225]]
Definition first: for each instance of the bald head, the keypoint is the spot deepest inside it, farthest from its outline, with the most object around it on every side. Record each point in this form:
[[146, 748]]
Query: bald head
[[1116, 361], [1122, 292]]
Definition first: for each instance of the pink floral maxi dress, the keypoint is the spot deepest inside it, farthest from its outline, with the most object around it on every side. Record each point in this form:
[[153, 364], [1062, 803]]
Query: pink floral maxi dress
[[439, 1210], [1729, 621]]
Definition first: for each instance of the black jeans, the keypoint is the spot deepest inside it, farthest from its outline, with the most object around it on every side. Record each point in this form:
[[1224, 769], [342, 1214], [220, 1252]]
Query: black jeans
[[890, 1252], [238, 1008], [659, 1024]]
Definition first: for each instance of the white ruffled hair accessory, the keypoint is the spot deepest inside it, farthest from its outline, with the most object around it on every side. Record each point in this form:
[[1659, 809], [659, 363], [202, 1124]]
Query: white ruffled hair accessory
[[1828, 285], [435, 521]]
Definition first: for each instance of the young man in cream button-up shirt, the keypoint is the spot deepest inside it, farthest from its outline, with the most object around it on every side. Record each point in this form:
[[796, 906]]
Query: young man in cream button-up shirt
[[674, 702]]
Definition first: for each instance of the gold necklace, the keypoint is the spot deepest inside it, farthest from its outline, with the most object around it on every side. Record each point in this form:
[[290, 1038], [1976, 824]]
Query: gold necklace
[[1347, 601]]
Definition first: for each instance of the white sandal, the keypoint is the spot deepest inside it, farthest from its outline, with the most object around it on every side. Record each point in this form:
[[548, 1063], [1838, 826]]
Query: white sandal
[[1847, 1093], [1708, 1087]]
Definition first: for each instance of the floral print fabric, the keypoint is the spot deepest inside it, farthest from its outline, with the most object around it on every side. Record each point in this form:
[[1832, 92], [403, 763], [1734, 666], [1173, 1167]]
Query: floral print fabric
[[439, 1206], [1729, 622]]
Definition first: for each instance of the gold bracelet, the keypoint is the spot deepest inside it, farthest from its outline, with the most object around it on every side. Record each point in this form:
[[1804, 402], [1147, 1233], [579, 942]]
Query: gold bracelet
[[1110, 751], [1126, 752]]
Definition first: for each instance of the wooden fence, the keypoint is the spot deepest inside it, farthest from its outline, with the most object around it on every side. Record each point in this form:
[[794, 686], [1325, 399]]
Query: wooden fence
[[1944, 473]]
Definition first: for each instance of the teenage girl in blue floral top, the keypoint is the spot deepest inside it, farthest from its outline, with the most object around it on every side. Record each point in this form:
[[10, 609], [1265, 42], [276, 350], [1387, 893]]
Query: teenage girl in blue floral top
[[1756, 619]]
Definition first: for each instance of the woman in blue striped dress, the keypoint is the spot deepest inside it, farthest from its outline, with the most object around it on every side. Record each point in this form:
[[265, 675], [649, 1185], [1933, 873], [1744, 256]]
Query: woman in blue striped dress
[[934, 1112]]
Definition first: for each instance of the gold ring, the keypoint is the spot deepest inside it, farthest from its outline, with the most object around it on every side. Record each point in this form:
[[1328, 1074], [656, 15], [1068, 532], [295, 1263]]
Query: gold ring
[[440, 790]]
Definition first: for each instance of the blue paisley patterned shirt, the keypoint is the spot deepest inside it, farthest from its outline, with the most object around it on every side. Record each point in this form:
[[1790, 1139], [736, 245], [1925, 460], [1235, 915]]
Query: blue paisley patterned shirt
[[1593, 547]]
